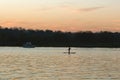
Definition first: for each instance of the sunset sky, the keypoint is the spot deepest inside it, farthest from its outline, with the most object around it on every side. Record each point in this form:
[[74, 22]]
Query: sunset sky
[[65, 15]]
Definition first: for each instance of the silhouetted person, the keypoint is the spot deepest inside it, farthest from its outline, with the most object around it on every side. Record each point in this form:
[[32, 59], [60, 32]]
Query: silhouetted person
[[69, 50]]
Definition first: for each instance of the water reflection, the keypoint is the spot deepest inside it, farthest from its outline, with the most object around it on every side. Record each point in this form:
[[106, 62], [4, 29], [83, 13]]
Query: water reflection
[[52, 64]]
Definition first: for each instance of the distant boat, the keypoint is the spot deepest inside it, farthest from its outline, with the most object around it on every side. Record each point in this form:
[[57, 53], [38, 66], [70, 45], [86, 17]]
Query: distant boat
[[28, 45]]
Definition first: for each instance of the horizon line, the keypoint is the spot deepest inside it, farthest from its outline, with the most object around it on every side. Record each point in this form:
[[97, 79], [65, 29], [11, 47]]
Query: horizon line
[[21, 28]]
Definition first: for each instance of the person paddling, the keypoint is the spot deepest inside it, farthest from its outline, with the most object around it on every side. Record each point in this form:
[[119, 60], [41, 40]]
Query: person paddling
[[69, 50]]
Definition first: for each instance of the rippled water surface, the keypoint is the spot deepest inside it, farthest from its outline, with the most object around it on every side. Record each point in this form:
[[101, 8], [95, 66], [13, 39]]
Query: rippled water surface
[[53, 64]]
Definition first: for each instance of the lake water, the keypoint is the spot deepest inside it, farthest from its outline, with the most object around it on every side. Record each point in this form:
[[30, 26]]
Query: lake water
[[53, 64]]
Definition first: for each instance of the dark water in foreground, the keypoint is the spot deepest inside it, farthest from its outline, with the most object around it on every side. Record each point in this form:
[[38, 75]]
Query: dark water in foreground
[[52, 64]]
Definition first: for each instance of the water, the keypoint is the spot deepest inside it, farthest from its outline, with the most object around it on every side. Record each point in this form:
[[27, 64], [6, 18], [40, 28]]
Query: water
[[52, 64]]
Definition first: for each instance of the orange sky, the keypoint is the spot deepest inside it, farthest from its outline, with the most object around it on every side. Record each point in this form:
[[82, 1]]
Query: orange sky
[[65, 15]]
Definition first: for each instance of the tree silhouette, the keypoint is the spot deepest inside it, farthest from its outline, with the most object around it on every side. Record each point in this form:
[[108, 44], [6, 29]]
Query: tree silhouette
[[19, 36]]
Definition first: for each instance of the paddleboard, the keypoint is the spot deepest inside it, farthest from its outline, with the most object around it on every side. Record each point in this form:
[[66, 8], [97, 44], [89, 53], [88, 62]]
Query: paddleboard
[[70, 52]]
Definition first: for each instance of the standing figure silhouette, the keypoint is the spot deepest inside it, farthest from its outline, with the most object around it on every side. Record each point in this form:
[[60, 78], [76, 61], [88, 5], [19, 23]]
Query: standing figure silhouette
[[69, 50]]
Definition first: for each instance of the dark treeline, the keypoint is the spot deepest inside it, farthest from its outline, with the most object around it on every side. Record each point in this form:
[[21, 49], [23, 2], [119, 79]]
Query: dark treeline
[[48, 38]]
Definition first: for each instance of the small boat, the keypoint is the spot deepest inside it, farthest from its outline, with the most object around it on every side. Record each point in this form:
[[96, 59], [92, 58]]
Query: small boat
[[28, 45]]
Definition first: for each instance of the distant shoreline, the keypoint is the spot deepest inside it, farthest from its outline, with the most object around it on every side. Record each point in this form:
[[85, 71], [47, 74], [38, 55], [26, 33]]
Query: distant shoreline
[[72, 46], [48, 38]]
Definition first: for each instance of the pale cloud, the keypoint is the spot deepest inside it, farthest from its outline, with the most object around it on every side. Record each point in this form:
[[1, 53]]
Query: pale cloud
[[71, 8], [90, 9]]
